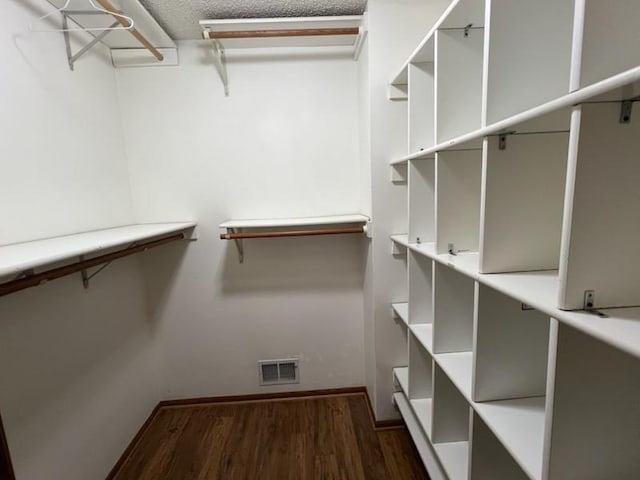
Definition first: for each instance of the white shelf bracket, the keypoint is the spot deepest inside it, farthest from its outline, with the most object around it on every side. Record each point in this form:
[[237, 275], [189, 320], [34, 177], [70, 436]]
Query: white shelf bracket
[[86, 277], [589, 304], [238, 242], [221, 64]]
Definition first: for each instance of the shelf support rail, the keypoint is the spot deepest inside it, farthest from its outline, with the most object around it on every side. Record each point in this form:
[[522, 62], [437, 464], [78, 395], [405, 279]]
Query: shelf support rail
[[29, 279], [237, 235], [86, 277]]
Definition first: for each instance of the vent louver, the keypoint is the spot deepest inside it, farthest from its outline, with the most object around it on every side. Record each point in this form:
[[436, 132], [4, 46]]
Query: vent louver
[[278, 372]]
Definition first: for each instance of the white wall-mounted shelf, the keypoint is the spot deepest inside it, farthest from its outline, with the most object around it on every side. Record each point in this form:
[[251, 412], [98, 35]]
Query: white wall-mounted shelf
[[20, 257], [238, 230], [295, 221], [21, 260]]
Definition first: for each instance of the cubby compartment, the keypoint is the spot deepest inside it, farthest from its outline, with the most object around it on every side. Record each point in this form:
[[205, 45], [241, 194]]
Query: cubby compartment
[[421, 104], [450, 428], [488, 458], [422, 200], [595, 414], [459, 53], [458, 191], [401, 379], [421, 383], [524, 176], [610, 39], [601, 228], [527, 46], [511, 346], [420, 289], [453, 311]]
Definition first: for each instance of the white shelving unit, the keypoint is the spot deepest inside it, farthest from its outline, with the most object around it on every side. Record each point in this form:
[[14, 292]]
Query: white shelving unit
[[523, 315]]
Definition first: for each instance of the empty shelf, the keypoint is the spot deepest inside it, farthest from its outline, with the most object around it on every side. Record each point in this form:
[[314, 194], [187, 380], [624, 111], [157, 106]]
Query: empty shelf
[[423, 409], [519, 425], [424, 334], [454, 457], [296, 222], [402, 377], [20, 257], [402, 311]]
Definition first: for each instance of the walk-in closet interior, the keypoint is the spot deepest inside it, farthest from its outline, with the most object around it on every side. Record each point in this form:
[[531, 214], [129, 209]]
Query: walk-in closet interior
[[432, 202]]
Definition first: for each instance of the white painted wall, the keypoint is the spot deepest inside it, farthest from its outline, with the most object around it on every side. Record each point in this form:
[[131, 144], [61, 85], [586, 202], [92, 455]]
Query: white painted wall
[[364, 106], [395, 29], [77, 374], [284, 143], [62, 154]]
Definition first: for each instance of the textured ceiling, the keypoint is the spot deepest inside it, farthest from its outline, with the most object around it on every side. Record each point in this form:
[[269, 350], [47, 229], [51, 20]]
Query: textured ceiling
[[180, 17]]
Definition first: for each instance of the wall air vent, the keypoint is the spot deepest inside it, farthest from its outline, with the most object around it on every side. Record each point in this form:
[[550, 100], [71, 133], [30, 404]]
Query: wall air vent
[[278, 372]]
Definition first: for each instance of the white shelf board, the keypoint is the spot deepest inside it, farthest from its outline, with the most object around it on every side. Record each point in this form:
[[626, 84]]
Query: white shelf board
[[620, 329], [19, 257], [402, 376], [424, 334], [539, 289], [576, 97], [458, 367], [401, 239], [295, 222], [402, 311], [519, 425], [454, 457], [427, 249], [423, 410], [464, 262], [285, 23], [420, 440]]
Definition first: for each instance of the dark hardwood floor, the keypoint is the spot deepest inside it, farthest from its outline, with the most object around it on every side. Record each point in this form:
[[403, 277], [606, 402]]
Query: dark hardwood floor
[[315, 438], [6, 469]]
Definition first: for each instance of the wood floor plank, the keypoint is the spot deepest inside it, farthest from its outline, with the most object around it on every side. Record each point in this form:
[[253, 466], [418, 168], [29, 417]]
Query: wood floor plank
[[314, 438], [368, 445], [400, 455]]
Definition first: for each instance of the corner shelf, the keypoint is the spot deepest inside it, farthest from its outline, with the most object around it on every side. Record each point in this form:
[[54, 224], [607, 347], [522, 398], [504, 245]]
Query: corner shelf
[[21, 259]]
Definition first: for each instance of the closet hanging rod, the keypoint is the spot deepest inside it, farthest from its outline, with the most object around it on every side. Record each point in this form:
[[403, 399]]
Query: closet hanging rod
[[291, 233], [300, 32], [55, 273], [134, 31]]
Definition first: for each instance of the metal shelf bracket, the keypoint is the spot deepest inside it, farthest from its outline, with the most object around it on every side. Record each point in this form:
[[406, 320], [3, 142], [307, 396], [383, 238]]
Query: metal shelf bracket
[[73, 57], [221, 64], [238, 242]]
